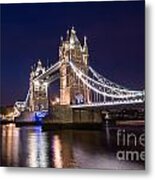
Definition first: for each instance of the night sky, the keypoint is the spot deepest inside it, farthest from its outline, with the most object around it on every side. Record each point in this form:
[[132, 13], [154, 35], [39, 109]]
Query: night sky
[[115, 32]]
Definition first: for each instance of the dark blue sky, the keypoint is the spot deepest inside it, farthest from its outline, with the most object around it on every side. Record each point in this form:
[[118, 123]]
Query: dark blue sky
[[115, 32]]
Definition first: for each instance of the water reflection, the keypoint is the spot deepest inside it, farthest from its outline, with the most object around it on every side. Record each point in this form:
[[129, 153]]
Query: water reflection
[[107, 135], [30, 147], [9, 144], [37, 149], [57, 148]]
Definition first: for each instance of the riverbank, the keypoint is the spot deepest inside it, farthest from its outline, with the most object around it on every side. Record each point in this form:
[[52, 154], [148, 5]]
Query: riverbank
[[82, 126]]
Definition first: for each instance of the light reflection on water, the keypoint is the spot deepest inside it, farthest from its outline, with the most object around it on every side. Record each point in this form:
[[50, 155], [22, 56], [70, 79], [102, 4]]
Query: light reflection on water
[[57, 148], [30, 147], [37, 149]]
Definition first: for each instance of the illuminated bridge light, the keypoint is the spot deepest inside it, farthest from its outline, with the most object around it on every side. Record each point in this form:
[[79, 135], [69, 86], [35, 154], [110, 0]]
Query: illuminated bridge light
[[39, 115]]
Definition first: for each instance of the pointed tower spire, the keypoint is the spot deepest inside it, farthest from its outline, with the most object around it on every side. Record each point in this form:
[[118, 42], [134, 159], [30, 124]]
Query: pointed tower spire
[[74, 41], [61, 40], [47, 61], [85, 47], [67, 36], [73, 30], [85, 41], [39, 62]]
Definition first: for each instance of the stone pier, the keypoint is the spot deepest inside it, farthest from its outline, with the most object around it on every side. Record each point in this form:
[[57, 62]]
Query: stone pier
[[66, 117]]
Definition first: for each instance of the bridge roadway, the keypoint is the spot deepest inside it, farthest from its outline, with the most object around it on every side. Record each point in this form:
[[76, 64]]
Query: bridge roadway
[[121, 108], [107, 104]]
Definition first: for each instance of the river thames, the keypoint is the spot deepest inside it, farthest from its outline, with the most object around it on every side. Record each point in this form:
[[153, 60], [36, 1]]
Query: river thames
[[29, 146]]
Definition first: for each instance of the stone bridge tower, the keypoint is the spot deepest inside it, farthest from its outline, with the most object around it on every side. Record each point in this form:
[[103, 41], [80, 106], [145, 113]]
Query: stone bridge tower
[[38, 99], [70, 85]]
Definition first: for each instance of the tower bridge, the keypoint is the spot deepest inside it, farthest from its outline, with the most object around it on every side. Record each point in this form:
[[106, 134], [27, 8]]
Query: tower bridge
[[80, 85]]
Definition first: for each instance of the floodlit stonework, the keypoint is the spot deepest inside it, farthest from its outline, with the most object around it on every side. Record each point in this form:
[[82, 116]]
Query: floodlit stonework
[[70, 85]]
